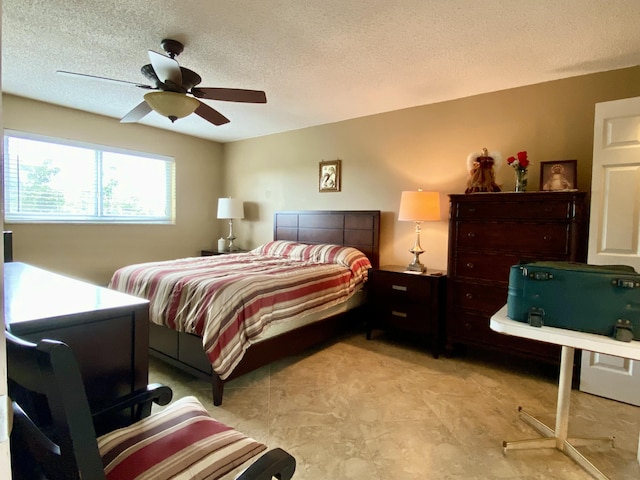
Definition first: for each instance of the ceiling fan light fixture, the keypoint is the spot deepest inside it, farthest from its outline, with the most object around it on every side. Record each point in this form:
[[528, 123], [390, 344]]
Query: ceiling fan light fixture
[[171, 104]]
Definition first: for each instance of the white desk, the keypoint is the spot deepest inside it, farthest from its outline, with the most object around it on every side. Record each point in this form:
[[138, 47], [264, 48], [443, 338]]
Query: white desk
[[569, 340]]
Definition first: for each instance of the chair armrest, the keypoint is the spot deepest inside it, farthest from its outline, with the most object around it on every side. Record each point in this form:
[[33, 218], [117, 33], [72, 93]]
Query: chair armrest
[[139, 400], [33, 453], [275, 463], [32, 435]]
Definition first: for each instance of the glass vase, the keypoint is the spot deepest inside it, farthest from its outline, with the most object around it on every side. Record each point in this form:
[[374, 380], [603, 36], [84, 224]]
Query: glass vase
[[521, 180]]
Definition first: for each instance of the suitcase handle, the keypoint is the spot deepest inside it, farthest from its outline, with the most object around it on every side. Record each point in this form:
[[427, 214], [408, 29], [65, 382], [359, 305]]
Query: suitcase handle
[[539, 275], [625, 283]]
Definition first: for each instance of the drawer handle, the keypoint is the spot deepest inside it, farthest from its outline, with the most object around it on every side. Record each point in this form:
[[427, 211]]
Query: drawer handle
[[467, 325], [547, 237], [472, 210], [469, 295], [469, 265], [471, 234], [401, 288], [398, 314]]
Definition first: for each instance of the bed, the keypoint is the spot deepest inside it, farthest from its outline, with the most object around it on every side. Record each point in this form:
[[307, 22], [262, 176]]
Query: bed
[[342, 236]]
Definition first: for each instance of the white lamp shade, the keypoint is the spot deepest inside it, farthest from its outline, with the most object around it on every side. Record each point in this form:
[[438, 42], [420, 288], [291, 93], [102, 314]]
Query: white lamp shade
[[419, 206], [230, 208], [172, 104]]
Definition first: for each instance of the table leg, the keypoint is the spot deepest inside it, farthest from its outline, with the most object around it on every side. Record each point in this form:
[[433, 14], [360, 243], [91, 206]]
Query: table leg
[[564, 396], [558, 438]]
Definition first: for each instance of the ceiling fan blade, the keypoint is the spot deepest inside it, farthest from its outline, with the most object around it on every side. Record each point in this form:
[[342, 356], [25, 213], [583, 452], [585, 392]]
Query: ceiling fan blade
[[211, 115], [104, 79], [230, 94], [166, 68], [137, 113]]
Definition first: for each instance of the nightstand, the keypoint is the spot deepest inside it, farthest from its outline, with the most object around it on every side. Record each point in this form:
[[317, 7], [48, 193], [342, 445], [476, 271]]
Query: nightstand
[[408, 301], [209, 253]]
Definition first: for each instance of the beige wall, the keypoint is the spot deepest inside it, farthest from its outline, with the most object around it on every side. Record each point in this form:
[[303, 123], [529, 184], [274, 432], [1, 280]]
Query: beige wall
[[424, 147], [93, 252]]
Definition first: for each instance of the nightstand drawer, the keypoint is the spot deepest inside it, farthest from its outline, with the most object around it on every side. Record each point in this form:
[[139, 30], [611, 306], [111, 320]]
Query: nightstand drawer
[[400, 286], [409, 317]]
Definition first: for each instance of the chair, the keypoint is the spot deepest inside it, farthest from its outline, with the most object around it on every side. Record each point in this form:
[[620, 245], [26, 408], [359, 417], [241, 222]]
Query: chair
[[53, 434]]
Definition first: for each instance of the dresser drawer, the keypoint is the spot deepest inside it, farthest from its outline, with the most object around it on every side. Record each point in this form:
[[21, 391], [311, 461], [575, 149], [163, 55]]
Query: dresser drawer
[[470, 326], [548, 238], [514, 208], [403, 287], [474, 329], [484, 266], [473, 296]]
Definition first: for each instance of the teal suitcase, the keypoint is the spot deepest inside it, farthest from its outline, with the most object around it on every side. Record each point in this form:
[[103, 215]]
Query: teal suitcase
[[577, 296]]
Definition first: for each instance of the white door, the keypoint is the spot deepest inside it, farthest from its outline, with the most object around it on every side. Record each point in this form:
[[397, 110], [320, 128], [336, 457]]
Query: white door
[[614, 231]]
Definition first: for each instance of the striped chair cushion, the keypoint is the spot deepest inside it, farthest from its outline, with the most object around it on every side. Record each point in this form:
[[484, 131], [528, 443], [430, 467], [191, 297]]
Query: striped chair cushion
[[180, 442]]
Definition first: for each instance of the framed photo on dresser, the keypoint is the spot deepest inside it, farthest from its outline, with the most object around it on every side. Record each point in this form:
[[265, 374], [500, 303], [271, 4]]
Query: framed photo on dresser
[[558, 175]]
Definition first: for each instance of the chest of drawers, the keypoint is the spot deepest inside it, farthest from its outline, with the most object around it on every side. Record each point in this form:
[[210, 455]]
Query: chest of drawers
[[490, 232]]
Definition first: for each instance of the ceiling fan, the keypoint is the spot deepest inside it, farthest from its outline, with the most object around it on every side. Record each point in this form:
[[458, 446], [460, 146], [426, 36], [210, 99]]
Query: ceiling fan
[[174, 89]]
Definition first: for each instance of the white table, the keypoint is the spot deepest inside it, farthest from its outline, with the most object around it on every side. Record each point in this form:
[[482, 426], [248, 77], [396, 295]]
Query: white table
[[569, 340]]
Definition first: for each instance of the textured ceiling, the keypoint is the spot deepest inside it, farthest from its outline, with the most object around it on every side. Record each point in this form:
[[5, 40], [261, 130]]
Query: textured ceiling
[[319, 61]]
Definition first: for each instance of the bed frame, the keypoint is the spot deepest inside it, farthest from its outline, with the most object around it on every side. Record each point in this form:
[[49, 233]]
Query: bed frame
[[354, 228]]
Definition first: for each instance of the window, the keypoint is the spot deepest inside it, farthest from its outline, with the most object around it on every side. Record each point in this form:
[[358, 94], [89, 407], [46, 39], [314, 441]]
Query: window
[[55, 180]]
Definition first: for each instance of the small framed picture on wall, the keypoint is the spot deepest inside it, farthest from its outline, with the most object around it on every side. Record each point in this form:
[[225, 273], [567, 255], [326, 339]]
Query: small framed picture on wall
[[329, 176], [558, 175]]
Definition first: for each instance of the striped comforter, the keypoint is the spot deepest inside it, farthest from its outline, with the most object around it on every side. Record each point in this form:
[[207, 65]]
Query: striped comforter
[[229, 300]]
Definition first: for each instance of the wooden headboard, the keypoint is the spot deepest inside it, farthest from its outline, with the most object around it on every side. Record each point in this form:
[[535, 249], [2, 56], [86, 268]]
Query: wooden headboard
[[352, 228]]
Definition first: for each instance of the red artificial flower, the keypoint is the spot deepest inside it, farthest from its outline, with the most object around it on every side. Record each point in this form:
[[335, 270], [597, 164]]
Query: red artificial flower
[[523, 160], [520, 161]]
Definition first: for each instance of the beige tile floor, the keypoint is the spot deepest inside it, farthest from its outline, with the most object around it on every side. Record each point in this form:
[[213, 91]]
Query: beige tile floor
[[385, 410]]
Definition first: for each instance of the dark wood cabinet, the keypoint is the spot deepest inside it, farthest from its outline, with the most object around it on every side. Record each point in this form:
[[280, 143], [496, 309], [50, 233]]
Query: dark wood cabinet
[[408, 302], [108, 331], [490, 232]]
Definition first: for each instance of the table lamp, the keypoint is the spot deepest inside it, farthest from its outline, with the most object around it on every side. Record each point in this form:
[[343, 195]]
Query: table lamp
[[230, 208], [418, 207]]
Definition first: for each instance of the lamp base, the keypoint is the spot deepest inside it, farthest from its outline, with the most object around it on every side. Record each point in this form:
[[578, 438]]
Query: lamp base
[[416, 267], [231, 236]]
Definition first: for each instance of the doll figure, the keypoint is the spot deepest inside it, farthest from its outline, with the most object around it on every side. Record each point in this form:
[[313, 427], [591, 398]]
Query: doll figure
[[482, 177]]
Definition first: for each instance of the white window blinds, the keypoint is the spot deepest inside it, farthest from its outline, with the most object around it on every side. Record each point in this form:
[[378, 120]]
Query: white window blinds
[[54, 180]]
